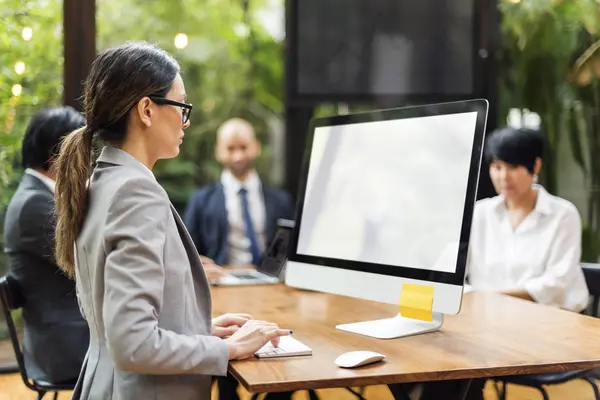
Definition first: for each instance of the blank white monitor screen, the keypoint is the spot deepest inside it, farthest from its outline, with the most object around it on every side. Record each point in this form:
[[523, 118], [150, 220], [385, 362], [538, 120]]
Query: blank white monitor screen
[[389, 192]]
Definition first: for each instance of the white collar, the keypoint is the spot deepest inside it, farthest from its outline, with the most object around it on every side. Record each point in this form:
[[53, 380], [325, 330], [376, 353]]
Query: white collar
[[49, 182], [542, 203], [232, 185]]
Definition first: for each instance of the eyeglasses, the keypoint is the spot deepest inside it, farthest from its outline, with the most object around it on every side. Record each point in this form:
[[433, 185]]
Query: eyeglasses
[[186, 109]]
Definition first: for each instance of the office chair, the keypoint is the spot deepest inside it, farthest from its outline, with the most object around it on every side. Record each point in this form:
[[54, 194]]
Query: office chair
[[538, 381], [592, 278], [312, 395], [12, 299]]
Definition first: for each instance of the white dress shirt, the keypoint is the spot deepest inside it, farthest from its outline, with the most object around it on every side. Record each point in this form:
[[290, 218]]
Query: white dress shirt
[[50, 183], [540, 256], [239, 244]]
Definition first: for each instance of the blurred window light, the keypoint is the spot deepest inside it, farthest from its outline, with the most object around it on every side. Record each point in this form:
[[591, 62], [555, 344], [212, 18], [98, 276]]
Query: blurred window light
[[271, 17], [27, 33], [181, 40], [20, 67], [241, 30], [17, 90]]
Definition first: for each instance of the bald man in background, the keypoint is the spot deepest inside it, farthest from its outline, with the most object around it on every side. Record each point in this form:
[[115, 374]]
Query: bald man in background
[[232, 221]]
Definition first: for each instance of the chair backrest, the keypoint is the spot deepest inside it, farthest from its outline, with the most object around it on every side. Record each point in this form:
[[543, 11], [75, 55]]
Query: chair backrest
[[12, 299], [592, 278]]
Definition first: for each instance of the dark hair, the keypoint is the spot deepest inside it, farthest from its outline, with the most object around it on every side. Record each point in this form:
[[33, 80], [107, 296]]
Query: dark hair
[[514, 146], [44, 133], [118, 79]]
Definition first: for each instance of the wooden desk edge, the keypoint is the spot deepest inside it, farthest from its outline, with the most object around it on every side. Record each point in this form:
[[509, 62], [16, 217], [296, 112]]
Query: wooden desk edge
[[269, 387]]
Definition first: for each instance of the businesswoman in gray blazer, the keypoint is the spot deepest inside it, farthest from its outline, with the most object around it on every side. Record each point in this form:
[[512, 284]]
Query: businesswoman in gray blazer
[[140, 283]]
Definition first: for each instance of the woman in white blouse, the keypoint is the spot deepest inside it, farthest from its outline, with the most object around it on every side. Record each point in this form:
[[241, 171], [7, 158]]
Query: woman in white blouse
[[525, 242]]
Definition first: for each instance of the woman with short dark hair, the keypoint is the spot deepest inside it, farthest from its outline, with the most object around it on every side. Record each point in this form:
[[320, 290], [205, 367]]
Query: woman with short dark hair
[[525, 242]]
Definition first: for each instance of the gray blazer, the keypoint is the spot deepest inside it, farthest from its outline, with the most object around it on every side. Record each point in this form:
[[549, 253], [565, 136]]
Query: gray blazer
[[143, 291], [56, 336]]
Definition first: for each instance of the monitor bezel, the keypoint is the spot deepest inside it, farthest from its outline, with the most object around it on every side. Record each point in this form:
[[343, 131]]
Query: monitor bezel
[[456, 278]]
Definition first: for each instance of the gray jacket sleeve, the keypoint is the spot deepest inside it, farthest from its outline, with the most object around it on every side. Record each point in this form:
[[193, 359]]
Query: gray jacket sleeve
[[134, 280], [37, 222]]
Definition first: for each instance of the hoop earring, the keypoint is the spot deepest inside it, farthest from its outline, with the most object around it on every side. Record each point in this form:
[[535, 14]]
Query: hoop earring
[[535, 178]]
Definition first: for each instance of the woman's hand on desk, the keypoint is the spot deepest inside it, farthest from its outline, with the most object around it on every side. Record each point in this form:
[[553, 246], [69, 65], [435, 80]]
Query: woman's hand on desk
[[252, 336], [207, 261], [214, 272], [228, 324]]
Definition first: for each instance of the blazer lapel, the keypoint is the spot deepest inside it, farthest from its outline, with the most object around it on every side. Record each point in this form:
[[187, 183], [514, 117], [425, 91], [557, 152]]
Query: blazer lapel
[[270, 223], [220, 209], [190, 248]]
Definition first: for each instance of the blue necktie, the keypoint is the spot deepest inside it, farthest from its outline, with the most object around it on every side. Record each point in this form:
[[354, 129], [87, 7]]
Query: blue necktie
[[250, 233]]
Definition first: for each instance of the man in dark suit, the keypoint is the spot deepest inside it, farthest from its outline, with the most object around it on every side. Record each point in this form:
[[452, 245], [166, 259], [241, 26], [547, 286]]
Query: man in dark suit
[[56, 336], [232, 221]]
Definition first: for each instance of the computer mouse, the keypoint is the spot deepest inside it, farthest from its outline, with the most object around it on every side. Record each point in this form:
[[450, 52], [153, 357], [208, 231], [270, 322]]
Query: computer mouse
[[359, 358]]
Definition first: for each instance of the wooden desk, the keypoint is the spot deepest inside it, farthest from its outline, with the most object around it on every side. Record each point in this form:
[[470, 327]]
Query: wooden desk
[[494, 335]]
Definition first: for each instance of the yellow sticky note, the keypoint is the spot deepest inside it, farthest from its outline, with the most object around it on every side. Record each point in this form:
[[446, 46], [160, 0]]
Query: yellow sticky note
[[416, 301]]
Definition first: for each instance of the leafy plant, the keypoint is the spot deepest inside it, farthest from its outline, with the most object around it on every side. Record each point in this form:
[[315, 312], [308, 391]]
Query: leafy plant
[[549, 64], [585, 134], [540, 39], [39, 60]]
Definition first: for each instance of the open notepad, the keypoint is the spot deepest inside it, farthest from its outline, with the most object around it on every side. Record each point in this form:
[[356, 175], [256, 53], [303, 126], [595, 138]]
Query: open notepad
[[288, 347]]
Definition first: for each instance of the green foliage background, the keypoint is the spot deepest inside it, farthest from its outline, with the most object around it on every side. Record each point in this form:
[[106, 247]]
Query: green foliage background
[[226, 74], [542, 41], [42, 80], [233, 67]]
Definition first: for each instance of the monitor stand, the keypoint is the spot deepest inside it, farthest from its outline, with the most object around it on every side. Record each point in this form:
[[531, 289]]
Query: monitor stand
[[395, 327]]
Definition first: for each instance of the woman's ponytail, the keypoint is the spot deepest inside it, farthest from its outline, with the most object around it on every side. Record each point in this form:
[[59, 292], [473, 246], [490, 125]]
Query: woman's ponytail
[[72, 169]]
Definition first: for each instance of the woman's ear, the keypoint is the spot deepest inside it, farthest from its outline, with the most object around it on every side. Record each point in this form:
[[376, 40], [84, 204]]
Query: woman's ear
[[537, 167], [144, 111]]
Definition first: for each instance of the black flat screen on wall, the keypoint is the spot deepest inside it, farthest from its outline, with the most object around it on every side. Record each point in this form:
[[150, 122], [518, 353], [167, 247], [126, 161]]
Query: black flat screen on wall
[[364, 50]]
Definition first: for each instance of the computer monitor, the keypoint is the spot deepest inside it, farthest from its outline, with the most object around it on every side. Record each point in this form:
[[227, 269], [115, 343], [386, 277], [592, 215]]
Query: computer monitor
[[386, 198]]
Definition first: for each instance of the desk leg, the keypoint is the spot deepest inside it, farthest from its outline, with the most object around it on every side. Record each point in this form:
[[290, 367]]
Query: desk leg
[[464, 389], [400, 391]]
